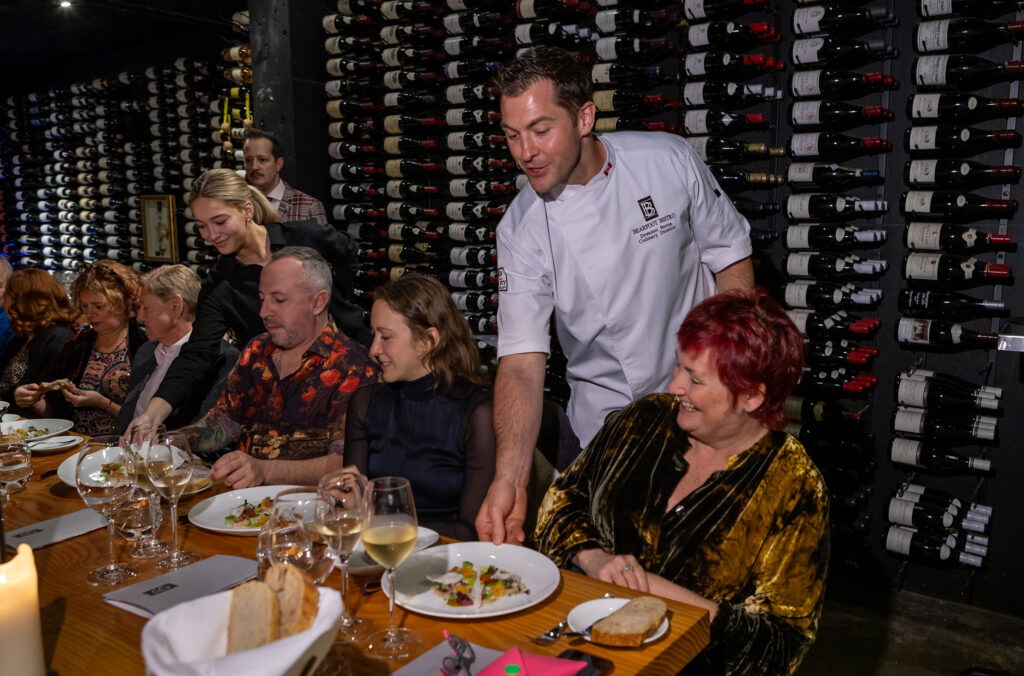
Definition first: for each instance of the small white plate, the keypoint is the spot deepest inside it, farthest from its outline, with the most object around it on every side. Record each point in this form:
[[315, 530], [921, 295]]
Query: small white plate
[[416, 593], [361, 564], [211, 512], [49, 427], [589, 612], [54, 444]]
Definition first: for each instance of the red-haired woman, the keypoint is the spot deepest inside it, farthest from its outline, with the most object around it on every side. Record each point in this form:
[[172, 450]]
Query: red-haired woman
[[697, 496], [42, 320]]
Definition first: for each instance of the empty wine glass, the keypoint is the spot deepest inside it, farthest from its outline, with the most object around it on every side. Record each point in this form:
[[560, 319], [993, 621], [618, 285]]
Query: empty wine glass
[[346, 491], [299, 533], [169, 466], [389, 537], [105, 472], [139, 521], [15, 467]]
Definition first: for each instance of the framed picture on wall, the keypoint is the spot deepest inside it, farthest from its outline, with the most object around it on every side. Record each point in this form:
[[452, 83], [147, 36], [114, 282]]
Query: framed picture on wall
[[159, 243]]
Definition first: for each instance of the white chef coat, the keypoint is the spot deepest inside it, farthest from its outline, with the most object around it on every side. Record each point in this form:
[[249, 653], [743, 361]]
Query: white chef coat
[[620, 260]]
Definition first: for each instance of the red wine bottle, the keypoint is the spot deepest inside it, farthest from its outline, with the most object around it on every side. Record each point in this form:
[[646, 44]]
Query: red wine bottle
[[954, 206], [736, 179], [816, 176], [948, 140], [933, 394], [829, 145], [946, 305], [835, 115], [727, 35], [702, 121], [623, 100], [953, 272], [637, 50], [832, 237], [988, 9], [960, 384], [934, 459], [727, 94], [818, 411], [810, 294], [963, 71], [953, 238], [830, 266], [942, 335], [624, 123], [848, 22], [703, 10], [728, 66], [825, 325], [951, 428], [717, 149], [836, 52], [636, 76], [962, 174], [635, 21], [840, 353], [839, 84], [964, 35], [962, 107], [828, 206]]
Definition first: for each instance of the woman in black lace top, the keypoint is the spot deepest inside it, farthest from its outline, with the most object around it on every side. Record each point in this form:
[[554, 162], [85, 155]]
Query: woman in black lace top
[[430, 420]]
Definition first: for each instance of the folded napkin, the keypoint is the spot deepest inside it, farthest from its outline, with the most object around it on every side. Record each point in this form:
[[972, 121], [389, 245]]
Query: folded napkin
[[191, 639], [515, 661], [201, 578], [56, 529]]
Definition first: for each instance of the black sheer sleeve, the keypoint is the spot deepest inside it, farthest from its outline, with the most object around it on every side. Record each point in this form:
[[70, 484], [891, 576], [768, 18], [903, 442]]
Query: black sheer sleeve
[[357, 447], [480, 454]]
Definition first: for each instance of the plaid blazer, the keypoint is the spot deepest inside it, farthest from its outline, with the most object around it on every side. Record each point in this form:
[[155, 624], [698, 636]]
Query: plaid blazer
[[298, 206]]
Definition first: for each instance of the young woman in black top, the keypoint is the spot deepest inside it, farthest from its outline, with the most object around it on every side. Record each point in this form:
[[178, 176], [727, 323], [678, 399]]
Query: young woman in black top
[[240, 223]]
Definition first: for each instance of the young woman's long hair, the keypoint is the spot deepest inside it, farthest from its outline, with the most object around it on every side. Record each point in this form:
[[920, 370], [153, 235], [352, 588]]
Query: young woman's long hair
[[425, 303]]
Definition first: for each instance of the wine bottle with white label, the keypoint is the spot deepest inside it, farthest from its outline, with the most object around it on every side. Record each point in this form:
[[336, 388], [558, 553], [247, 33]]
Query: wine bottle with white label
[[953, 238], [727, 94], [933, 393], [921, 547], [817, 176], [728, 66], [946, 305], [934, 459], [703, 10], [964, 35], [941, 335], [949, 140], [963, 71], [835, 115], [636, 76], [988, 9], [824, 265], [946, 427], [828, 145], [954, 206], [824, 325], [831, 207], [811, 294], [832, 237], [953, 272], [963, 107], [837, 52], [720, 123], [960, 174], [727, 35], [844, 21], [840, 353]]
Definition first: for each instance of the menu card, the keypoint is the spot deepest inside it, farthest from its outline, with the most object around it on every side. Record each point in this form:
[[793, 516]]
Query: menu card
[[59, 528], [204, 577]]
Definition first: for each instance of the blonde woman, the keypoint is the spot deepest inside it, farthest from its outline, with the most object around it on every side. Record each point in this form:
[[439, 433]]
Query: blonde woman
[[240, 223]]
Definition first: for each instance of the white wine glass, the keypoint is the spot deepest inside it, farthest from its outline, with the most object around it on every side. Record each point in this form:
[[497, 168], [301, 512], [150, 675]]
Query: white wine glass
[[169, 466], [15, 467], [346, 492], [105, 475], [299, 533], [389, 537]]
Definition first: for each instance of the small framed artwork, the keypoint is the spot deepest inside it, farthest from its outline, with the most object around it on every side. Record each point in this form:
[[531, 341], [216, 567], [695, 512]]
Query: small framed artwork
[[159, 243]]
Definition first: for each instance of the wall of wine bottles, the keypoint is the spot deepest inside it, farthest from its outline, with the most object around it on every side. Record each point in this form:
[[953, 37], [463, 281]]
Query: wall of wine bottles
[[77, 160]]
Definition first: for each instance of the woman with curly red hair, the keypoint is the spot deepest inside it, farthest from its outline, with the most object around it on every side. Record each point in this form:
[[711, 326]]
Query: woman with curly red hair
[[697, 495], [42, 320], [96, 360]]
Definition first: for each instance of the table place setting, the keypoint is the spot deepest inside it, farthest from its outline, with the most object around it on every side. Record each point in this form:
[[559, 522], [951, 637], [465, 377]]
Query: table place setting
[[58, 528]]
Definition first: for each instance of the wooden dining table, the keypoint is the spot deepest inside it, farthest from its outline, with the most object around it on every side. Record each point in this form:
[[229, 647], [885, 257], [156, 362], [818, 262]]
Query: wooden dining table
[[83, 634]]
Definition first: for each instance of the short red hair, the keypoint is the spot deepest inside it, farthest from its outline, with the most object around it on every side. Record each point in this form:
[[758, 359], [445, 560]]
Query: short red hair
[[751, 342]]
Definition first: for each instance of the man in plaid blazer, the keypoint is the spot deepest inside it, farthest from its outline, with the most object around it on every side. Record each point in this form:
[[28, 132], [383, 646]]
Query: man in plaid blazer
[[263, 162]]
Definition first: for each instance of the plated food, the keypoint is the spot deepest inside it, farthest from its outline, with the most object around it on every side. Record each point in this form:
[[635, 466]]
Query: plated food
[[224, 513], [464, 585], [250, 515], [621, 622], [40, 428]]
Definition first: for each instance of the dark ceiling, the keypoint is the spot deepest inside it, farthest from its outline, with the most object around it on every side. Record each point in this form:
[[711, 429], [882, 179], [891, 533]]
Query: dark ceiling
[[43, 44]]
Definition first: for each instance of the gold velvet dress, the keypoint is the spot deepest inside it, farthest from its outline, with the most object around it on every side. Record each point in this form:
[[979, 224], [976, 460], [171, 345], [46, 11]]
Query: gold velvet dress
[[753, 537]]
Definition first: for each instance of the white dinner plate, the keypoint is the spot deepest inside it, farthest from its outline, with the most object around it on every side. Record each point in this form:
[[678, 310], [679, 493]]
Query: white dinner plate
[[361, 564], [200, 479], [54, 444], [211, 512], [45, 427], [416, 593], [589, 612]]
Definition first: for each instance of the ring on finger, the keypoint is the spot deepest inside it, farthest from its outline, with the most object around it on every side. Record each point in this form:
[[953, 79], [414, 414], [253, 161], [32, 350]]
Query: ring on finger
[[628, 567]]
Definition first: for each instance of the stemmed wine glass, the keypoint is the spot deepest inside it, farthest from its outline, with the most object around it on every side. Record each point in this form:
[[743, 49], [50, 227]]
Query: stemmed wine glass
[[346, 492], [299, 532], [15, 467], [169, 466], [105, 474], [389, 537]]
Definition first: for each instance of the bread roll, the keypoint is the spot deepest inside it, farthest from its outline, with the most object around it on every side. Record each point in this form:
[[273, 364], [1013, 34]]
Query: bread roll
[[296, 595], [255, 617], [55, 385], [629, 625]]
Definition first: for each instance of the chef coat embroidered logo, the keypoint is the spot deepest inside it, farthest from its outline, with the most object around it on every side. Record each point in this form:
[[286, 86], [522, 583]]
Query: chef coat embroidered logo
[[647, 208], [502, 280]]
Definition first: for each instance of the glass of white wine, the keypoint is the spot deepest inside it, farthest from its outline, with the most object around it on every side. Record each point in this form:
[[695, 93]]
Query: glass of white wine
[[389, 537], [15, 467], [299, 533], [105, 474], [169, 466], [346, 492]]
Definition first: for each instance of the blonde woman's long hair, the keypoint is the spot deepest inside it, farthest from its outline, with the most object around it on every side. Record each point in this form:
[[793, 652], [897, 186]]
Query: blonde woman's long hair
[[228, 187]]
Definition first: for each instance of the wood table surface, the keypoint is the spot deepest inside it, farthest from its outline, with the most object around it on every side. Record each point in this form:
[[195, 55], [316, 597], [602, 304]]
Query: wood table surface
[[82, 634]]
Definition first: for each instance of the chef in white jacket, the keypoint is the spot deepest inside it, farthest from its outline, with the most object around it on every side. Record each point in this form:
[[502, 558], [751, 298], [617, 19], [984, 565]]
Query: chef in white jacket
[[618, 235]]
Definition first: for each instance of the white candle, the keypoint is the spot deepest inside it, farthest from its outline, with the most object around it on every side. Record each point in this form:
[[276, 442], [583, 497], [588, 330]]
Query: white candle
[[21, 634]]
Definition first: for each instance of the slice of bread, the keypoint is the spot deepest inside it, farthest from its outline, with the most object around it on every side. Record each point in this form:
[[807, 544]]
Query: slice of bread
[[629, 625], [296, 595], [55, 385], [255, 617]]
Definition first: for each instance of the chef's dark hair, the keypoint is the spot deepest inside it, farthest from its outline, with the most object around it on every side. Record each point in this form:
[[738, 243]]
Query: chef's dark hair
[[570, 79]]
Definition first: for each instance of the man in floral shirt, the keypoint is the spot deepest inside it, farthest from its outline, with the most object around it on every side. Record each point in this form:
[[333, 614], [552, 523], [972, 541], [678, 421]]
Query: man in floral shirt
[[285, 401]]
